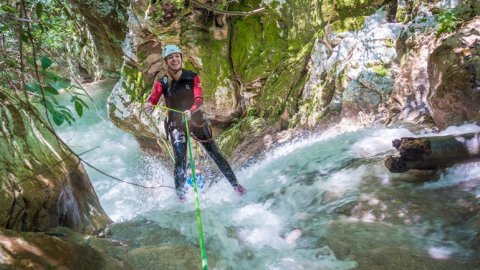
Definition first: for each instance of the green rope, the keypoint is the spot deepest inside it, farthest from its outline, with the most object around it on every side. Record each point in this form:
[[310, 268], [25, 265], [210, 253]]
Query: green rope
[[203, 251]]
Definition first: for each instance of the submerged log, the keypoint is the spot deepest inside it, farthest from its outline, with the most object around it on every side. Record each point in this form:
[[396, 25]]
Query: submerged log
[[430, 153]]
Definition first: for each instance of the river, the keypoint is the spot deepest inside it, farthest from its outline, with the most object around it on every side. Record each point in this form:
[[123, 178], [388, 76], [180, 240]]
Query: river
[[321, 202]]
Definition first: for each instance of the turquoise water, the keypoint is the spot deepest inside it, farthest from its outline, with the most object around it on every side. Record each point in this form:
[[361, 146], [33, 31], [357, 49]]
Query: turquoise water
[[321, 202]]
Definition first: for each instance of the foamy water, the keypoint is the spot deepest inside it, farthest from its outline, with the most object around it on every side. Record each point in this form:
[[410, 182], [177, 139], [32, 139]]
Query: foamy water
[[302, 200]]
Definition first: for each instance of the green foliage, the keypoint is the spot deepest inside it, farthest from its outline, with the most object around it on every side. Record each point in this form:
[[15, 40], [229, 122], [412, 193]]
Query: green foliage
[[46, 92], [134, 84], [448, 21], [47, 27]]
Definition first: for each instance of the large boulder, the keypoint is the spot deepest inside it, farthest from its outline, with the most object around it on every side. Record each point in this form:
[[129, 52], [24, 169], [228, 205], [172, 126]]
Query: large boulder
[[355, 78], [151, 246], [438, 82], [43, 183], [59, 249], [454, 77]]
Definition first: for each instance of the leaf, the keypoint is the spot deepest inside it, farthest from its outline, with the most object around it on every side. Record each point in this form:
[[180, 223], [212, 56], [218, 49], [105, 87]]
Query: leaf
[[4, 27], [50, 107], [25, 38], [55, 85], [83, 102], [51, 75], [58, 118], [39, 9], [33, 87], [68, 121], [63, 107], [68, 115], [51, 90], [79, 108], [64, 83], [42, 27], [46, 62]]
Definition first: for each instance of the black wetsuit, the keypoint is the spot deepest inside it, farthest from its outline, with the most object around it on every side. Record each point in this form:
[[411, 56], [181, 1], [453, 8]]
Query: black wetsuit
[[181, 95]]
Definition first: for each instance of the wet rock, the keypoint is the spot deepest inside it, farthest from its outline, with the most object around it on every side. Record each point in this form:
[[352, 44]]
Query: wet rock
[[145, 233], [454, 77], [357, 76], [151, 246], [42, 251], [167, 257], [43, 184], [374, 242], [106, 21]]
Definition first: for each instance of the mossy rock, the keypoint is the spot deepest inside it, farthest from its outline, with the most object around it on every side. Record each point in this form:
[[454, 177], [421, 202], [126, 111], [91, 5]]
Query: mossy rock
[[44, 185]]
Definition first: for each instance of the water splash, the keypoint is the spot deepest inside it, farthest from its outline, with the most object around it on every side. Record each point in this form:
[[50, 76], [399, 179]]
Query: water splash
[[324, 201]]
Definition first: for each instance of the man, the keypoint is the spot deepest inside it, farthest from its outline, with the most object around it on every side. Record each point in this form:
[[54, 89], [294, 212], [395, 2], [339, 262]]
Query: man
[[182, 91]]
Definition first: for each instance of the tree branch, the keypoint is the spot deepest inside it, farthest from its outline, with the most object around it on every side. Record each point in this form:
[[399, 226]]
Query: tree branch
[[34, 55], [20, 49], [230, 13]]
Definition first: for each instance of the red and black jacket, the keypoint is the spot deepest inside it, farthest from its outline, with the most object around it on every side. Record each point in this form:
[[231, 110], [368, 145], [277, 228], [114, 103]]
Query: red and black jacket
[[181, 95]]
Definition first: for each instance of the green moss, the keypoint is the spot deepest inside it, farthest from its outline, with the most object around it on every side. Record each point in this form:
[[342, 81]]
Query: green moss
[[258, 47], [281, 85], [349, 24], [380, 70], [247, 127], [354, 8], [215, 70], [401, 15], [390, 43], [229, 140]]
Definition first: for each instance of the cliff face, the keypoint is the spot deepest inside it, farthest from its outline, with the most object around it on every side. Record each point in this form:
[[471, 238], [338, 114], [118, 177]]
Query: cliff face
[[106, 21], [300, 64], [43, 184], [253, 68], [437, 83]]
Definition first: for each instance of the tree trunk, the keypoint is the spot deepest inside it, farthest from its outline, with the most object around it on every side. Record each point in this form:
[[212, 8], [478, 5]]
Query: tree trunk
[[429, 153]]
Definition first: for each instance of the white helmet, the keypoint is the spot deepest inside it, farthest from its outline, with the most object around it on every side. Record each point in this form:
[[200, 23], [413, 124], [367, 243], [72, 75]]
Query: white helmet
[[169, 49]]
